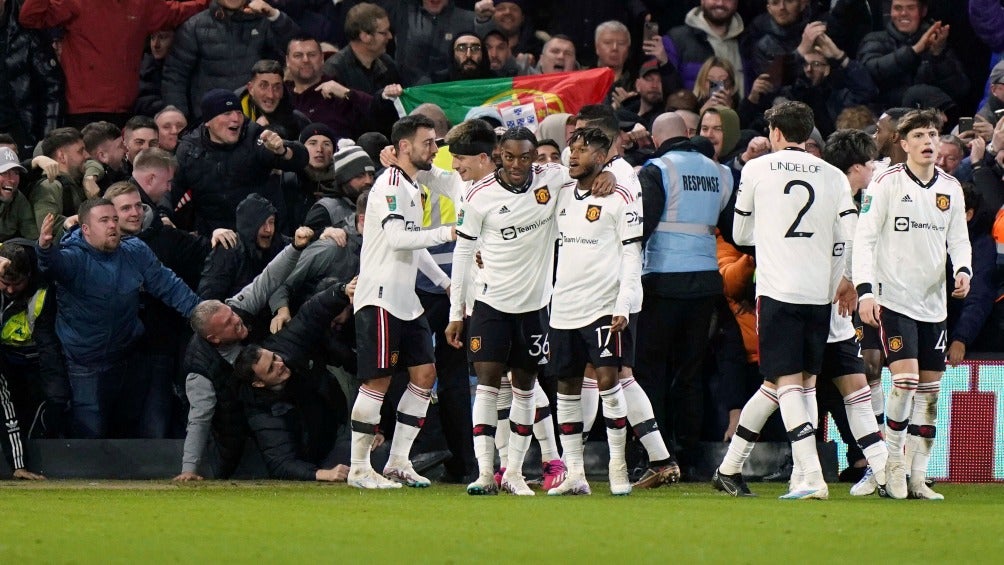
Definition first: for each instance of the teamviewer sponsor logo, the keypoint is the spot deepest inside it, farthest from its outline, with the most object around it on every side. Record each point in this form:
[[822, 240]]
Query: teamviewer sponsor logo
[[509, 233], [901, 223]]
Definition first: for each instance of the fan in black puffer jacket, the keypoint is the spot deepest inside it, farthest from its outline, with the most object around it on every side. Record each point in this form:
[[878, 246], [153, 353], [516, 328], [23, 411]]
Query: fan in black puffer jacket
[[217, 47], [31, 105]]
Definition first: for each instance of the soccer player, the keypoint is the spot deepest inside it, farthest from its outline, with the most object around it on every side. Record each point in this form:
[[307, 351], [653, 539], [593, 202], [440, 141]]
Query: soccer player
[[390, 329], [912, 215], [511, 216], [791, 204], [662, 466], [852, 152], [598, 276]]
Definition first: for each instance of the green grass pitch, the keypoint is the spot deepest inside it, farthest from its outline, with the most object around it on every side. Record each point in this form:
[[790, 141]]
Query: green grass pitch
[[272, 522]]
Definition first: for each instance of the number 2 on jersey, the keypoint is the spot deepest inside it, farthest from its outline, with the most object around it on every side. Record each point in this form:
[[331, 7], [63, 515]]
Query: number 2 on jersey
[[801, 213]]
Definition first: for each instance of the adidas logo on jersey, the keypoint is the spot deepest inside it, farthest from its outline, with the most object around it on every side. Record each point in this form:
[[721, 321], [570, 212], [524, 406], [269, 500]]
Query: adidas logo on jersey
[[504, 209], [562, 212], [906, 199], [605, 353]]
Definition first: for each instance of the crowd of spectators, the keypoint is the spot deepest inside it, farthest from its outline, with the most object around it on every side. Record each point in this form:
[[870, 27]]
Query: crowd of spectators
[[158, 157]]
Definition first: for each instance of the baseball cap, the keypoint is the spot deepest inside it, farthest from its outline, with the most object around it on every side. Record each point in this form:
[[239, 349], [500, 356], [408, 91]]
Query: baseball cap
[[8, 160], [997, 73], [649, 66]]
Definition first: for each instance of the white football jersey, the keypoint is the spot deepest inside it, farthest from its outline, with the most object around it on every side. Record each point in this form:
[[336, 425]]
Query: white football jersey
[[515, 231], [599, 257], [392, 235], [626, 176], [906, 231], [794, 207]]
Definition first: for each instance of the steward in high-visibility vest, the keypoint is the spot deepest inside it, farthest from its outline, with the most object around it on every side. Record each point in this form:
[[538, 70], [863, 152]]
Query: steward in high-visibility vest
[[23, 387]]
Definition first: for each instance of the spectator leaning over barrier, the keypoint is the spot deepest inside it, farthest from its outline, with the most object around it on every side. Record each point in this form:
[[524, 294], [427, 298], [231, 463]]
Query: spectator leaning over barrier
[[98, 278]]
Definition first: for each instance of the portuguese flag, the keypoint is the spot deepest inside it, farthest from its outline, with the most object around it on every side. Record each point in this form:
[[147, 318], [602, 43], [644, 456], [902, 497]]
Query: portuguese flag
[[521, 101]]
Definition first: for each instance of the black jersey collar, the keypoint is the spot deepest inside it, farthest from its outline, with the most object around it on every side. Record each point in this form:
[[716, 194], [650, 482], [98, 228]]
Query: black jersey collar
[[919, 182], [511, 188]]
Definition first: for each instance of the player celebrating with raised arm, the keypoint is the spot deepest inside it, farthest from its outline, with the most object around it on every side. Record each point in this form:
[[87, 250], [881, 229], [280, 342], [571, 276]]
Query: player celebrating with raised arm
[[790, 205], [911, 216], [511, 214], [598, 274], [390, 329]]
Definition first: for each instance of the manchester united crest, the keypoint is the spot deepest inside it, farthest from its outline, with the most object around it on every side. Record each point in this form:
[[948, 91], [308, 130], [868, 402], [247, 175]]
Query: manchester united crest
[[859, 333], [593, 212], [895, 343], [475, 344], [542, 195], [393, 358], [943, 201]]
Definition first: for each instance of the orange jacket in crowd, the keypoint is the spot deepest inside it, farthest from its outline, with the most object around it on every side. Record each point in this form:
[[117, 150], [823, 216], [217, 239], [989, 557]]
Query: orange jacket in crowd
[[737, 270]]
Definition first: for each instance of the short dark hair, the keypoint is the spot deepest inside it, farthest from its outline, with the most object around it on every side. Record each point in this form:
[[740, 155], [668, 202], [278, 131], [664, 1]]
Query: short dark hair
[[794, 119], [600, 116], [897, 113], [84, 211], [470, 136], [518, 134], [22, 263], [593, 137], [58, 139], [155, 158], [406, 127], [363, 17], [848, 147], [8, 139], [244, 364], [303, 38], [96, 133], [926, 118], [266, 67], [140, 122], [550, 142]]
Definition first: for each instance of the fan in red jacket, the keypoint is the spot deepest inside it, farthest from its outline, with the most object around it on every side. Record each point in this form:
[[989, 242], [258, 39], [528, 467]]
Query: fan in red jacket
[[102, 48]]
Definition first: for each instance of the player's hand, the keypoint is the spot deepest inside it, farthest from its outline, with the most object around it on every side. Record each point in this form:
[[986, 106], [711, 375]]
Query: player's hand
[[338, 235], [454, 334], [27, 475], [302, 237], [388, 156], [604, 184], [618, 324], [45, 231], [187, 476], [282, 317], [478, 260], [846, 298], [453, 233], [226, 238], [378, 440], [956, 353], [961, 286], [869, 310]]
